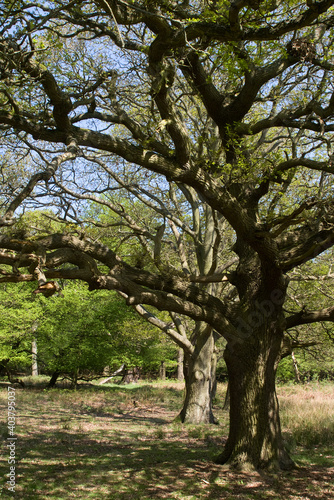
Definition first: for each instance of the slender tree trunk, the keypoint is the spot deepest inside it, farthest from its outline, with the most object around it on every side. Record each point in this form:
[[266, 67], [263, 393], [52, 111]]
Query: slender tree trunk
[[34, 365], [295, 367], [53, 379], [180, 367], [213, 385], [200, 380], [162, 371], [255, 439]]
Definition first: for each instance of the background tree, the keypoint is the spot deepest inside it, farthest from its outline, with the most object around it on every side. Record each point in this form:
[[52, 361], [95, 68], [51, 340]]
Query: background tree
[[73, 340], [233, 100], [169, 229], [19, 317], [78, 336]]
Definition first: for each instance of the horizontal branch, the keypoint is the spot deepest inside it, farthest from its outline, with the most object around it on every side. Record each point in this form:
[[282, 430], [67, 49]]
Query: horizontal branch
[[211, 190], [305, 317], [321, 166], [171, 293], [309, 248]]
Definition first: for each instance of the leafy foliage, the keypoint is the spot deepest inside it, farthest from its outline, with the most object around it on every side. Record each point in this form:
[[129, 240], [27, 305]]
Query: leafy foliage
[[78, 335], [19, 316]]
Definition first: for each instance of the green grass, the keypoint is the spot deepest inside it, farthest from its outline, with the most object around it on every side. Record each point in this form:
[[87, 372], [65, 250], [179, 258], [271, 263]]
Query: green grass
[[121, 442]]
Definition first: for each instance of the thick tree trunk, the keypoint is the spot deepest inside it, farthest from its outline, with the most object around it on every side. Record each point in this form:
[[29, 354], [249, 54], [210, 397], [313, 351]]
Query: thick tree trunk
[[200, 380], [255, 439], [226, 405]]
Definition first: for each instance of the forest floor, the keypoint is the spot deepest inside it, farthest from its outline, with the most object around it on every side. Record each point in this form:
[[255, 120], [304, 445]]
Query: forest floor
[[120, 442]]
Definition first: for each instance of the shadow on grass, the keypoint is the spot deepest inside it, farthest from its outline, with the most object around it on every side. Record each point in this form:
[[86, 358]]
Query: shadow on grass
[[72, 464], [132, 466], [116, 451]]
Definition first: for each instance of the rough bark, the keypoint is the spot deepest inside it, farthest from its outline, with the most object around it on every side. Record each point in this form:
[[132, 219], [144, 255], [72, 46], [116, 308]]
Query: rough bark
[[200, 380], [255, 439], [226, 404]]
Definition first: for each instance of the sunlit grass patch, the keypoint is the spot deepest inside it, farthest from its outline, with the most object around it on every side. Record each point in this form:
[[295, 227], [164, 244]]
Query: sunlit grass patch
[[307, 414]]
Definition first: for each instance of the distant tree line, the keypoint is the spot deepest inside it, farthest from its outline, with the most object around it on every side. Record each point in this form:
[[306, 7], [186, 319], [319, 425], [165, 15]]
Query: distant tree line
[[79, 336]]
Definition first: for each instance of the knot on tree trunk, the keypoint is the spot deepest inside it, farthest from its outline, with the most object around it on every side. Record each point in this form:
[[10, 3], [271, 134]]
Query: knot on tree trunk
[[198, 375]]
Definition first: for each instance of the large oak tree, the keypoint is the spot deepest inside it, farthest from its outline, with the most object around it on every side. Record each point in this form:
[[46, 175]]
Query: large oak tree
[[232, 101]]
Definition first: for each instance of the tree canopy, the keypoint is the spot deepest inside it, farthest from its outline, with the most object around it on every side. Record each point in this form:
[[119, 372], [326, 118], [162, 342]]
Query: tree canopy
[[227, 105]]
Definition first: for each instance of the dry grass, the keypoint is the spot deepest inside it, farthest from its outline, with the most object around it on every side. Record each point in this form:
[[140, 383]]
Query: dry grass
[[307, 413], [121, 443]]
